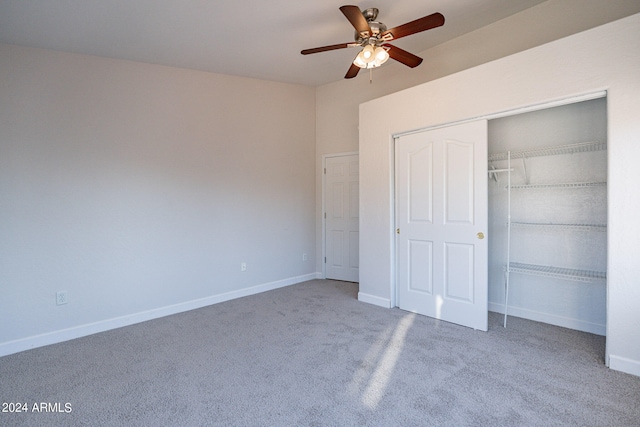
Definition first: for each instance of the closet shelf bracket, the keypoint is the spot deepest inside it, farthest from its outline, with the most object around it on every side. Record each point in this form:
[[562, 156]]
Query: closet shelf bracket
[[493, 173]]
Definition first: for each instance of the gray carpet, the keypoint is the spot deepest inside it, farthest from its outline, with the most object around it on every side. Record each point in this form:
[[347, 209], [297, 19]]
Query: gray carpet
[[312, 355]]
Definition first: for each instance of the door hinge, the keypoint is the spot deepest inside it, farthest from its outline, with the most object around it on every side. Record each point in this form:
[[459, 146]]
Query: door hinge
[[325, 215], [325, 260], [325, 171]]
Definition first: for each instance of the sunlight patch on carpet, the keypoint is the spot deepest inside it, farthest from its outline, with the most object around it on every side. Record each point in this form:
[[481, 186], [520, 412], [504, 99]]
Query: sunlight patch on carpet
[[379, 364]]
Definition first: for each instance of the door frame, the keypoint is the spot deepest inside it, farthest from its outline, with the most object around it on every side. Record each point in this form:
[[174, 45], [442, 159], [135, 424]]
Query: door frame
[[324, 207], [393, 171]]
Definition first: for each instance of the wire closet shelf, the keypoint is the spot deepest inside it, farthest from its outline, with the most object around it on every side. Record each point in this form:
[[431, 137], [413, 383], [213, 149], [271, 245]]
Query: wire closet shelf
[[580, 147], [541, 270]]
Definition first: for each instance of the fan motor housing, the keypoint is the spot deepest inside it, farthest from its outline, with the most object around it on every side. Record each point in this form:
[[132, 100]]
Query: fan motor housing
[[376, 27]]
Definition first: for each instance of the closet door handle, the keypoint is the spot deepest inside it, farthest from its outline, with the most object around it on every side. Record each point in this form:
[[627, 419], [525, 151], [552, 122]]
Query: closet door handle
[[480, 235]]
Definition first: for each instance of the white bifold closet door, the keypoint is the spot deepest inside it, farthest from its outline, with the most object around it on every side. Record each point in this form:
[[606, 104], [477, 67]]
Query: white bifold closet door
[[441, 216]]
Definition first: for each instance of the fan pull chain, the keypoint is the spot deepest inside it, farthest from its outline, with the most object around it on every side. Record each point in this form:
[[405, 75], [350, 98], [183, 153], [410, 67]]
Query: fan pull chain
[[370, 75]]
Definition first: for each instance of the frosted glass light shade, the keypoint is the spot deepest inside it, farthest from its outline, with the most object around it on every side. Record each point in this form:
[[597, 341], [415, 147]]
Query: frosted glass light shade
[[368, 53], [376, 58], [360, 61], [381, 55]]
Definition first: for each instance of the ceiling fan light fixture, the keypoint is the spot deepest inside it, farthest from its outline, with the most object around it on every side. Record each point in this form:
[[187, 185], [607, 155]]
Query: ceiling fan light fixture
[[379, 57], [360, 61], [368, 53]]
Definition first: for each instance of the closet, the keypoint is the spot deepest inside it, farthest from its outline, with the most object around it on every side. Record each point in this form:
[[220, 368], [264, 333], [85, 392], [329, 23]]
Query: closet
[[548, 215]]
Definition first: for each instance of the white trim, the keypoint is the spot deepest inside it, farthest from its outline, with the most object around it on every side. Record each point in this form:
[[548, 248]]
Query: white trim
[[348, 153], [572, 99], [324, 220], [624, 364], [55, 337], [552, 319], [393, 214], [375, 300]]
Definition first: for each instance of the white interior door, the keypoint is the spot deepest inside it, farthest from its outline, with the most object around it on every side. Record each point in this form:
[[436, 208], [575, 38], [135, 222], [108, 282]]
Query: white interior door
[[341, 213], [441, 214]]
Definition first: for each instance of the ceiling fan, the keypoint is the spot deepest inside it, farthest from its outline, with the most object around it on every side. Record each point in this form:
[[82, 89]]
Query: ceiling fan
[[373, 37]]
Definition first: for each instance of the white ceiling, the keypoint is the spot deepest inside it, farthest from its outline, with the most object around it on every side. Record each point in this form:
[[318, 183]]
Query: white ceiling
[[260, 38]]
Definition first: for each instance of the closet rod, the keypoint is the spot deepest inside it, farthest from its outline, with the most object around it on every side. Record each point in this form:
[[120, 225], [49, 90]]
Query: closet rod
[[493, 173]]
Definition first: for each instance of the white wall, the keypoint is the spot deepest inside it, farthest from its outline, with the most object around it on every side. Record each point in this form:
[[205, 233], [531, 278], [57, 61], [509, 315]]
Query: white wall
[[604, 58], [337, 103], [140, 189]]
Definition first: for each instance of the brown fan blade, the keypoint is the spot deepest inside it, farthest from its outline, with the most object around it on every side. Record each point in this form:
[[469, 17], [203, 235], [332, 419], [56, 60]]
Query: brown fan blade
[[357, 19], [326, 48], [353, 71], [400, 55], [419, 25]]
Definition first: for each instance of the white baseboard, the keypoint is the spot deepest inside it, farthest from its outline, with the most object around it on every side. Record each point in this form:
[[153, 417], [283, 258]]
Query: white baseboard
[[552, 319], [372, 299], [625, 365], [55, 337]]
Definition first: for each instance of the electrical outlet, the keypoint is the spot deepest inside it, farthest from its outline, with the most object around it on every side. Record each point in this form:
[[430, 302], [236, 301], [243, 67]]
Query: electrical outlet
[[243, 266], [61, 298], [305, 257]]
